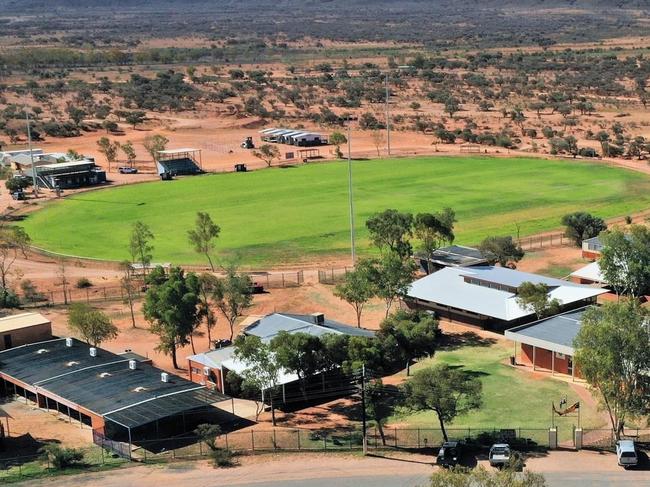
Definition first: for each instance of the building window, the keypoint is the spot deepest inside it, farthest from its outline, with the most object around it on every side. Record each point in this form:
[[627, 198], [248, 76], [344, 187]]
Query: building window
[[195, 370]]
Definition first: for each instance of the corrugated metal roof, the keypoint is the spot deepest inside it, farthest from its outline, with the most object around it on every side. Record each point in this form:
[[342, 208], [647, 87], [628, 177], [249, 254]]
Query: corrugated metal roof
[[272, 324], [448, 287], [556, 333], [590, 272], [23, 320]]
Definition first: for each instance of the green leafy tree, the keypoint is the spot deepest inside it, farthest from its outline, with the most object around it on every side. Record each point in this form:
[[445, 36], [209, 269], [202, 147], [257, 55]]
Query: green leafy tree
[[135, 118], [129, 152], [62, 458], [434, 230], [208, 434], [337, 139], [582, 226], [171, 306], [267, 153], [535, 298], [452, 106], [232, 296], [391, 230], [392, 277], [140, 245], [413, 332], [299, 353], [14, 242], [446, 390], [262, 370], [358, 287], [202, 236], [92, 325], [109, 150], [612, 354], [379, 405], [207, 285], [625, 260], [154, 144], [76, 114], [129, 288], [502, 250]]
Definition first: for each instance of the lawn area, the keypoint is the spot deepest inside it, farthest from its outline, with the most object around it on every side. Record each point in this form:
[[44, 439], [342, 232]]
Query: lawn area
[[511, 398], [301, 213]]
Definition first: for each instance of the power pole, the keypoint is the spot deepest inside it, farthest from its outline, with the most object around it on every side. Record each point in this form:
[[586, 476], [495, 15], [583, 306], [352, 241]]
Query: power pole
[[350, 198], [363, 410], [31, 152], [387, 116]]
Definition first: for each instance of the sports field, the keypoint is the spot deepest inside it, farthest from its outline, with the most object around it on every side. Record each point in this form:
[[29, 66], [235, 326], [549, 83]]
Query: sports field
[[300, 213]]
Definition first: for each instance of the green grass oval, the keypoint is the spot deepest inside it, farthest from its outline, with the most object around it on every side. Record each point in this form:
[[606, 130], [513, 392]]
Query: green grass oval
[[291, 214]]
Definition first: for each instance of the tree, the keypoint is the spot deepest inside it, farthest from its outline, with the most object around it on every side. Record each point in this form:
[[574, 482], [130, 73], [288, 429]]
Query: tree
[[434, 230], [612, 355], [16, 184], [129, 290], [207, 284], [503, 250], [208, 433], [171, 306], [76, 114], [135, 118], [299, 353], [262, 370], [377, 137], [140, 245], [451, 106], [109, 150], [414, 334], [154, 144], [14, 242], [91, 324], [447, 390], [391, 230], [535, 298], [582, 226], [392, 277], [232, 295], [202, 236], [480, 477], [358, 287], [62, 458], [337, 139], [129, 152], [379, 405], [62, 279], [625, 260], [267, 153]]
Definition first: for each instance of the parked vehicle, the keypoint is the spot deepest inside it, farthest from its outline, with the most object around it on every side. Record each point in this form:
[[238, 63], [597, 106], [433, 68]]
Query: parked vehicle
[[626, 453], [248, 143], [449, 454], [18, 195], [500, 455], [128, 170]]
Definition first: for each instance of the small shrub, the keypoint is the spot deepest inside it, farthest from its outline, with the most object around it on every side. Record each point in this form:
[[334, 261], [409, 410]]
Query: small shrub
[[628, 220], [223, 457], [84, 283], [60, 457]]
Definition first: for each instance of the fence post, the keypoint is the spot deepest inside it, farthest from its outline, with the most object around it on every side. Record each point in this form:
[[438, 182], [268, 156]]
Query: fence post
[[226, 441], [253, 440], [105, 298], [87, 296], [395, 432], [325, 441], [283, 279], [275, 444], [200, 449], [299, 446], [418, 438]]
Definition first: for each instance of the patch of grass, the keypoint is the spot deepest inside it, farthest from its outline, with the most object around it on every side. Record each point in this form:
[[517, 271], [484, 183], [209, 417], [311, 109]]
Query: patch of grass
[[558, 271], [273, 216], [511, 398]]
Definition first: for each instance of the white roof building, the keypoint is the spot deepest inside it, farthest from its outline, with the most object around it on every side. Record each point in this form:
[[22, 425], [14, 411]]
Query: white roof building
[[591, 272]]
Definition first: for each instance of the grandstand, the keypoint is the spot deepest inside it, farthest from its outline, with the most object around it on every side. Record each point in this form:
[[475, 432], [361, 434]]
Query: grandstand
[[179, 162]]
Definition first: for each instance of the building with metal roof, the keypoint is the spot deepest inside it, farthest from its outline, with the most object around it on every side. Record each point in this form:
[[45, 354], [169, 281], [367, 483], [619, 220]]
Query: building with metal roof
[[548, 344], [24, 328], [487, 296], [589, 274], [451, 256], [210, 368], [118, 396]]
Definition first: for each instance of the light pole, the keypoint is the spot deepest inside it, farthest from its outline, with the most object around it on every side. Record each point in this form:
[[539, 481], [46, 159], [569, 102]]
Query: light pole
[[31, 152], [350, 196]]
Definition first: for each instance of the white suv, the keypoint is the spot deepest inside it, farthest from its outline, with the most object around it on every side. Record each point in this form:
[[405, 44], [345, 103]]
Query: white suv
[[626, 453]]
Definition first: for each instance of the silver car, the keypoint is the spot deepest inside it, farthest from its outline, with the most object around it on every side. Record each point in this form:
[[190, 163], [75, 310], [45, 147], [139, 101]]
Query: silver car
[[500, 455]]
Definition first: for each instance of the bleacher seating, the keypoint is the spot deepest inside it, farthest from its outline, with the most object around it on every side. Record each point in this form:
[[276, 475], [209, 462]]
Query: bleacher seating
[[181, 167]]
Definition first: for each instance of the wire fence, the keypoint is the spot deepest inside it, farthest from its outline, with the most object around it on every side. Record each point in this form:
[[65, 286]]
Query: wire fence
[[549, 240]]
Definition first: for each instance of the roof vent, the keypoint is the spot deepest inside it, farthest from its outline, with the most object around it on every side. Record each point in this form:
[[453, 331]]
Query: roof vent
[[133, 364], [41, 350], [164, 377], [140, 389], [71, 363], [319, 318], [93, 352], [68, 342], [105, 374]]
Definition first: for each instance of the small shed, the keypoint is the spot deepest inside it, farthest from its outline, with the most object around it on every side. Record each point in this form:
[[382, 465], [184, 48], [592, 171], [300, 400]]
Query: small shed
[[23, 329]]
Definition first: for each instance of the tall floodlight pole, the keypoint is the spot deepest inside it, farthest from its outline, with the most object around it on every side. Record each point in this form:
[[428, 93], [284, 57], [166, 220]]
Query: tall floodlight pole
[[31, 152], [387, 115], [350, 197]]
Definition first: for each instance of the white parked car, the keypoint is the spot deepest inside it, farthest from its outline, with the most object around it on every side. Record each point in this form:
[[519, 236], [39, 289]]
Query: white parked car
[[626, 453], [500, 455]]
